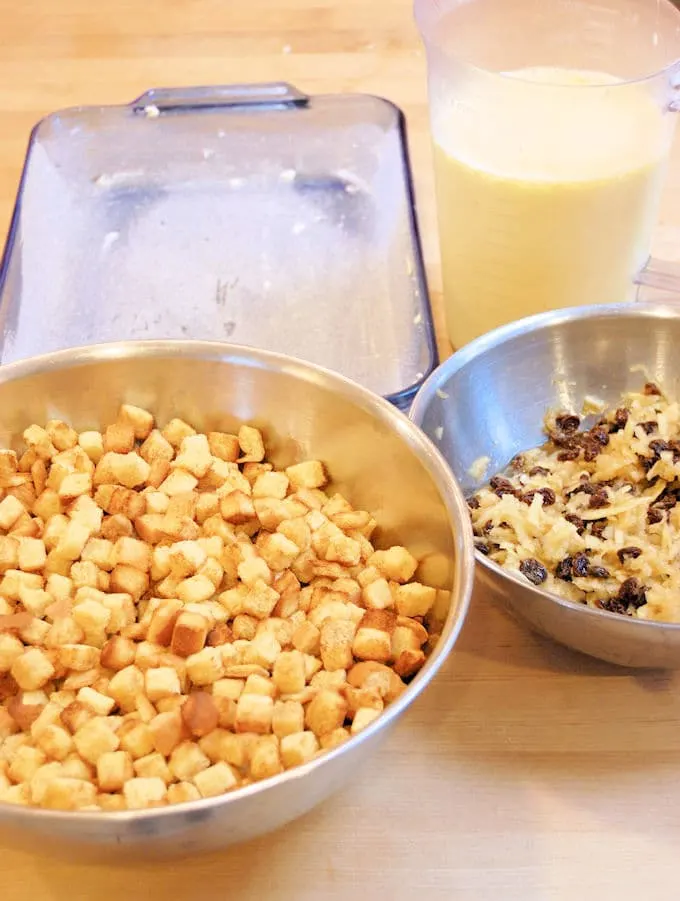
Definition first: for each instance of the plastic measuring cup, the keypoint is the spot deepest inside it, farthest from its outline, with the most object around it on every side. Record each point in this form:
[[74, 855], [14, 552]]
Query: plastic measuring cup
[[552, 122]]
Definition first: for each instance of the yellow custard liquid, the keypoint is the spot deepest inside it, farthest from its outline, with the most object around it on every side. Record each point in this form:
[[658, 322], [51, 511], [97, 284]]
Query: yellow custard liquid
[[547, 196]]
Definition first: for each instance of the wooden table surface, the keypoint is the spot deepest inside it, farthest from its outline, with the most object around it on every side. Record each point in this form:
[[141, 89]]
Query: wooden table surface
[[525, 772]]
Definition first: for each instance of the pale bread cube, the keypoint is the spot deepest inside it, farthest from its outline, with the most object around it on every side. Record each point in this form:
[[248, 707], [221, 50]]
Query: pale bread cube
[[215, 780], [114, 769], [143, 792], [298, 748]]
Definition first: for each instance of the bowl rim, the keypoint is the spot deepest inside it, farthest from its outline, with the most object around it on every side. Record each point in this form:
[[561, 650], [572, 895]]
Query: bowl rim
[[506, 333], [389, 416]]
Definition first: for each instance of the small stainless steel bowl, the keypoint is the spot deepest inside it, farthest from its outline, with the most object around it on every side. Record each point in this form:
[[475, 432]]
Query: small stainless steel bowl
[[379, 459], [490, 398]]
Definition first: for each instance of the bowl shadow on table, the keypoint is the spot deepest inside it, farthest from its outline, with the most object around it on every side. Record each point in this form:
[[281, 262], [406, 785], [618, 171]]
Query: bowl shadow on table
[[511, 699], [241, 872]]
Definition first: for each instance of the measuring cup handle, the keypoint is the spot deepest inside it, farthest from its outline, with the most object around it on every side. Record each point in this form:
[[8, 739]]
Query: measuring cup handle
[[659, 280]]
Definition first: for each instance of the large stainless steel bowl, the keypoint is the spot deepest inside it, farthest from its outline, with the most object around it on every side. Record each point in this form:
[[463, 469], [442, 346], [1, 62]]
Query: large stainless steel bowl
[[376, 456], [490, 398]]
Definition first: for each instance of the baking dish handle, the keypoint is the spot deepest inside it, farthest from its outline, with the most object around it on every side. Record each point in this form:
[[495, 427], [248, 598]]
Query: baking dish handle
[[277, 95], [659, 281]]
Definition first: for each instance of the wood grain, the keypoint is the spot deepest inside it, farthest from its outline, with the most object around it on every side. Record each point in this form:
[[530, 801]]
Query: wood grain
[[526, 772]]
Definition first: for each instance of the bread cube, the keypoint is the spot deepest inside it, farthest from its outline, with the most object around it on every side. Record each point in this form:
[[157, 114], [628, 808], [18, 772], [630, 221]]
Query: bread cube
[[129, 580], [93, 445], [236, 508], [377, 595], [215, 780], [167, 731], [223, 446], [143, 792], [194, 455], [310, 474], [396, 564], [189, 634], [95, 738], [153, 765], [24, 763], [288, 674], [362, 718], [298, 748], [163, 621], [414, 599], [136, 738], [161, 682], [114, 769], [111, 802], [259, 600], [288, 718], [205, 667], [10, 510], [180, 792], [10, 650], [72, 541], [178, 482], [116, 525], [200, 713], [133, 552], [186, 760], [79, 657], [408, 662], [156, 447], [307, 638], [98, 703], [65, 793], [325, 712], [332, 739], [32, 669], [41, 779], [54, 741], [254, 713], [336, 637], [125, 686], [265, 759], [140, 420]]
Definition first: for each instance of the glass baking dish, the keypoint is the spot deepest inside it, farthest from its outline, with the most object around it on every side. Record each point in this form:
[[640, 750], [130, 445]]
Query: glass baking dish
[[252, 214]]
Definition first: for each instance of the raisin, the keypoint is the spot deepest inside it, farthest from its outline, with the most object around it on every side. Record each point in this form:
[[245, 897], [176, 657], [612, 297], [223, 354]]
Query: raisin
[[648, 427], [598, 499], [591, 448], [547, 494], [563, 569], [620, 419], [473, 503], [482, 546], [572, 453], [632, 593], [598, 572], [658, 446], [651, 390], [600, 434], [576, 521], [580, 565], [502, 486], [534, 571], [614, 605], [646, 462], [654, 515], [597, 528], [631, 553], [539, 471], [567, 423], [666, 502]]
